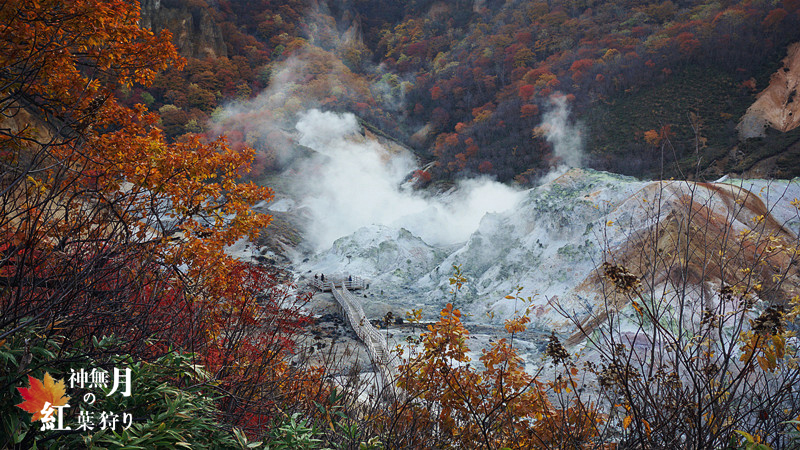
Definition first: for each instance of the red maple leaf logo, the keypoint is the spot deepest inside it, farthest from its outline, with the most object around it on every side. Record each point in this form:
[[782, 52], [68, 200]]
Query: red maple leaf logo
[[39, 393]]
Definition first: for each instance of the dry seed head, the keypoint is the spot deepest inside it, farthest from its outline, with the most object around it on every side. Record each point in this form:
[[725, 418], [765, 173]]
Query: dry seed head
[[621, 277], [770, 322], [556, 351]]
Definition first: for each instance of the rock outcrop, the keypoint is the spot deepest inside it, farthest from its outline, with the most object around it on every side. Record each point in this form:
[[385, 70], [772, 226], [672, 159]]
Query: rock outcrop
[[777, 106], [680, 237], [194, 31]]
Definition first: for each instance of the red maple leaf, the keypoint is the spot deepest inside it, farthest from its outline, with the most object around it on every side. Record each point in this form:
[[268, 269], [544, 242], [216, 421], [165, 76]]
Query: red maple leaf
[[39, 393]]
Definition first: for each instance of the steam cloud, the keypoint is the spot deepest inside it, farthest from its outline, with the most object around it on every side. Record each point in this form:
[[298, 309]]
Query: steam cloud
[[356, 182], [566, 138], [352, 182]]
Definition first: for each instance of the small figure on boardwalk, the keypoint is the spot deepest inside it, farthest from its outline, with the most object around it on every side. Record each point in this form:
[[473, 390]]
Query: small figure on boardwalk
[[323, 277], [350, 278], [316, 277]]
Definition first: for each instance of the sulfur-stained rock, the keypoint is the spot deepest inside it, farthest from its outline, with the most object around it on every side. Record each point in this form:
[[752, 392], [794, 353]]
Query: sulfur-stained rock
[[777, 106]]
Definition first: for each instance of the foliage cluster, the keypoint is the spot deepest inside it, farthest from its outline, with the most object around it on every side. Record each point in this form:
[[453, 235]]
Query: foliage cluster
[[108, 229], [468, 84], [174, 405], [487, 83]]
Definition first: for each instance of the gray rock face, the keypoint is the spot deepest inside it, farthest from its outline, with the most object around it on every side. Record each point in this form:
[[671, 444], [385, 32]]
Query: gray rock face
[[551, 245], [548, 244], [194, 31]]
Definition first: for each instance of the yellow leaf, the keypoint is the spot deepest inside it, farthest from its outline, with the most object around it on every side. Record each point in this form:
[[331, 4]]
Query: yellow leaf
[[746, 435], [780, 345], [626, 422]]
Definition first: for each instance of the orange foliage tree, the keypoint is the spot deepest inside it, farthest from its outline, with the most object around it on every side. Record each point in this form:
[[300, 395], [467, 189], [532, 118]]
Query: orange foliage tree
[[499, 406], [105, 227]]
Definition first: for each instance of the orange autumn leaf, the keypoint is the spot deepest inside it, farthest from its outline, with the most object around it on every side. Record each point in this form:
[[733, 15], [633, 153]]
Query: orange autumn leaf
[[39, 393], [626, 422], [652, 137]]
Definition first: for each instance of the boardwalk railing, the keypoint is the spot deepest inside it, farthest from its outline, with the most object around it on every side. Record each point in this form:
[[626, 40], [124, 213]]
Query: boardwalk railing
[[372, 338], [351, 283]]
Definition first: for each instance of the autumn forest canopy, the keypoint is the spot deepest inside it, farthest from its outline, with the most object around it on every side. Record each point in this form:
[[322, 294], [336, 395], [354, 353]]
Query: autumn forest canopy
[[467, 84], [135, 138]]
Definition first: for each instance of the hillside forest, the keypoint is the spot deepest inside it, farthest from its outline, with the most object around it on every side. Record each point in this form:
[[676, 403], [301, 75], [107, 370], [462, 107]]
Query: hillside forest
[[466, 84]]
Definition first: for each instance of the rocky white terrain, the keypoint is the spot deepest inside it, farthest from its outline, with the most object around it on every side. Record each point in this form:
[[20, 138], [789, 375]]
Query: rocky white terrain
[[554, 239], [684, 240]]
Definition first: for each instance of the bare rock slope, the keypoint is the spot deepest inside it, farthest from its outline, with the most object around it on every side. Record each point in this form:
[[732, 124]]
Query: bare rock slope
[[777, 106], [679, 237]]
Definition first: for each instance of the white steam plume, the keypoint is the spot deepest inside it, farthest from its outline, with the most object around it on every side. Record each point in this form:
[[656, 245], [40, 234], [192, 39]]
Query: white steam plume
[[566, 138], [356, 183]]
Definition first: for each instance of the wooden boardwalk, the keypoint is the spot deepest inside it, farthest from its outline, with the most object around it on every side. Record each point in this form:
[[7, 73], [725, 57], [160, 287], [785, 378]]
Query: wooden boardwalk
[[373, 340], [328, 284]]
